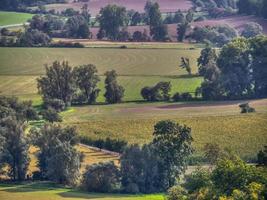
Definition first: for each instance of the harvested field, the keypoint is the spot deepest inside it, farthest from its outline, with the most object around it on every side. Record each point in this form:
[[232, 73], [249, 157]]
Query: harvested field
[[30, 61], [138, 5]]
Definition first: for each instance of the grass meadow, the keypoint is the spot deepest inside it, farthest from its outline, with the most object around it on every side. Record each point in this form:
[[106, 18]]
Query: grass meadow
[[30, 61], [45, 191], [9, 18]]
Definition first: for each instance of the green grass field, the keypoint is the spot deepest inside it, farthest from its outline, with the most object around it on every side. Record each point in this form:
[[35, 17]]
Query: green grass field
[[48, 191], [10, 18]]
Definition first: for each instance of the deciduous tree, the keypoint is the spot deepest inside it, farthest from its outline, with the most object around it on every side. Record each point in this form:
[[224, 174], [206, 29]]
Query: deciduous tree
[[58, 82], [15, 148], [114, 92], [87, 79], [173, 144]]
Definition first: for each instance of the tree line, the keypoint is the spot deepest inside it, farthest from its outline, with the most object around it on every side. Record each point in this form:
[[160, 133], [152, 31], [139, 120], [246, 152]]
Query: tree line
[[237, 72], [63, 85], [253, 7], [21, 4]]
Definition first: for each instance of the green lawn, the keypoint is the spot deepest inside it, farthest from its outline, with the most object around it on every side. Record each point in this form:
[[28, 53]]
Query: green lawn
[[46, 191], [9, 18]]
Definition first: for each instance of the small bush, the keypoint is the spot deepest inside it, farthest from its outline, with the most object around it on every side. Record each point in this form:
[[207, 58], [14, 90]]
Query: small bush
[[102, 177], [200, 178], [67, 44], [245, 108], [115, 145], [177, 193], [51, 115], [159, 92], [186, 96], [176, 97], [37, 176], [56, 104], [132, 188]]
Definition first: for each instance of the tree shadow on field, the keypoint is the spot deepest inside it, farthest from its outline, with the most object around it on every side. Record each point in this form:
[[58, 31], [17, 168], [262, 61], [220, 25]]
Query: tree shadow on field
[[30, 187], [84, 195]]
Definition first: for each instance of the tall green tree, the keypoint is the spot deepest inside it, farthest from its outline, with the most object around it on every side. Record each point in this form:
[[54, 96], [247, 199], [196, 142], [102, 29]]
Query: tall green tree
[[259, 65], [15, 148], [53, 140], [114, 92], [181, 31], [111, 18], [64, 163], [58, 82], [158, 30], [153, 14], [207, 55], [102, 177], [211, 88], [86, 78], [77, 27], [23, 111], [142, 170], [235, 65], [173, 144]]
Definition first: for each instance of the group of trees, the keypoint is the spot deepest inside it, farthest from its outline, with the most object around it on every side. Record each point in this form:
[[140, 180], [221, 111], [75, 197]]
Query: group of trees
[[43, 27], [14, 144], [231, 178], [238, 71], [184, 25], [217, 8], [58, 159], [63, 85], [19, 4], [217, 35], [253, 7], [148, 169], [208, 4], [114, 19], [161, 92]]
